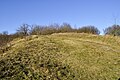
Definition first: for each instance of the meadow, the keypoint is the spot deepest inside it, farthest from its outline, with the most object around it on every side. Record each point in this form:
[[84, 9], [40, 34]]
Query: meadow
[[61, 56]]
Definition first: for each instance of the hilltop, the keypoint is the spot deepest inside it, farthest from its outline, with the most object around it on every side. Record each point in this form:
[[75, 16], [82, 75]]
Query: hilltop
[[61, 56]]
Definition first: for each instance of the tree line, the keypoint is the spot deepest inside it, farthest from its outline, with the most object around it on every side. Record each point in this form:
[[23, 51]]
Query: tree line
[[26, 30]]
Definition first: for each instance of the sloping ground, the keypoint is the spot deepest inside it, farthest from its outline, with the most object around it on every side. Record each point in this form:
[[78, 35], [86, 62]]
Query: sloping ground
[[63, 56]]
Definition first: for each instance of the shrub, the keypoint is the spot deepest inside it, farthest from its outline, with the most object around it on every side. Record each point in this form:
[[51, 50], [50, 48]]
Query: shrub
[[113, 30], [89, 29], [65, 27], [54, 28], [36, 30]]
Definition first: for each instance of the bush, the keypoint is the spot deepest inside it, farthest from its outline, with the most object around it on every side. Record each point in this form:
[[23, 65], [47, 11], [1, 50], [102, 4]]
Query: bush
[[4, 38], [36, 30], [112, 30], [65, 28], [89, 29], [42, 30], [50, 29]]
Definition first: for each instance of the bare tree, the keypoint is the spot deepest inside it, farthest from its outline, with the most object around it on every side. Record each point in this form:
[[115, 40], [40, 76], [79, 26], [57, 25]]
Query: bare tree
[[23, 30]]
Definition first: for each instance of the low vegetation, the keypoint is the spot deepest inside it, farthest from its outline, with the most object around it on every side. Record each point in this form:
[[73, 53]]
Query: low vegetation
[[26, 29], [113, 30], [89, 29], [61, 56]]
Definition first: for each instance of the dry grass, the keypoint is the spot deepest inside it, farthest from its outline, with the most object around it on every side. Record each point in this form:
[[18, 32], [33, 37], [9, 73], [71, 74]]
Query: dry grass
[[63, 56]]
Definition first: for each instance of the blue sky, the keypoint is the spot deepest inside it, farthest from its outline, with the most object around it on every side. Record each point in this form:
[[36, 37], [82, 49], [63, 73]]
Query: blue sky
[[100, 13]]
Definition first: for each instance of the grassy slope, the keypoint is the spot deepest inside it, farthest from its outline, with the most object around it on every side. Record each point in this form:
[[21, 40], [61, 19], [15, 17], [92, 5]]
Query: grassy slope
[[65, 56]]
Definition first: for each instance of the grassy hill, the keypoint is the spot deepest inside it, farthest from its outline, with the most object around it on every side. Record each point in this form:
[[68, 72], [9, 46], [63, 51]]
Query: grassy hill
[[63, 56]]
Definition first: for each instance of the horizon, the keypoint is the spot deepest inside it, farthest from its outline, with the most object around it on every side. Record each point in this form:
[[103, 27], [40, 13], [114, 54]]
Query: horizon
[[77, 13]]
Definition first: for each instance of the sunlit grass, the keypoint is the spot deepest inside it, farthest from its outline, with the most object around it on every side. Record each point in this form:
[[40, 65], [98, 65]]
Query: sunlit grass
[[63, 56]]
